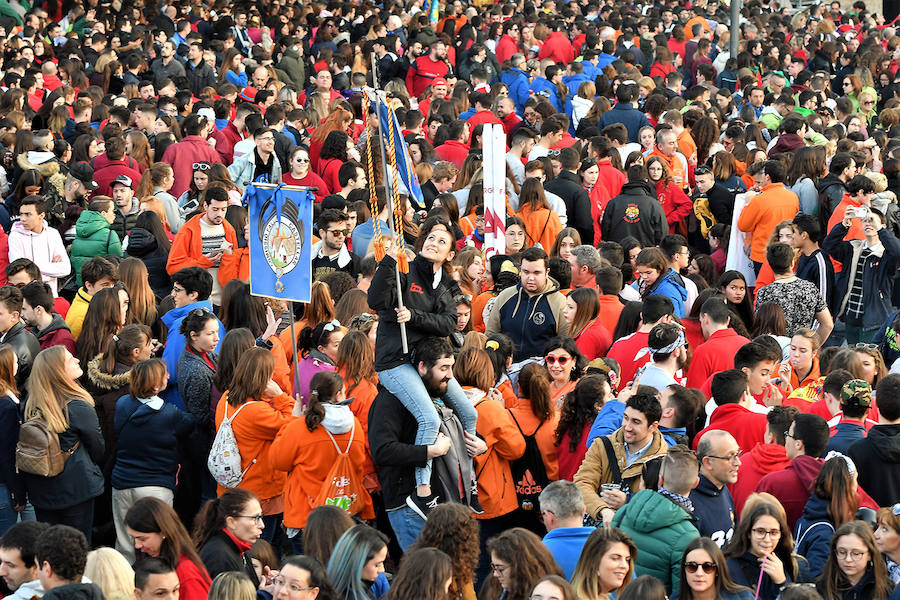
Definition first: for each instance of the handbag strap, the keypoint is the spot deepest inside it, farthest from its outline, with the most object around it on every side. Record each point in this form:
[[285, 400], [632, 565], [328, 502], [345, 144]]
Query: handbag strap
[[333, 441], [612, 459]]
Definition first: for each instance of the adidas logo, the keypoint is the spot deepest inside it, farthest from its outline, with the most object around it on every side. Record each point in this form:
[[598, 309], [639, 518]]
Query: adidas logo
[[527, 486]]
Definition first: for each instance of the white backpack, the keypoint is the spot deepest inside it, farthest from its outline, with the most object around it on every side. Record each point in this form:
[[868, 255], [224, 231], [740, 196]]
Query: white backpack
[[224, 461]]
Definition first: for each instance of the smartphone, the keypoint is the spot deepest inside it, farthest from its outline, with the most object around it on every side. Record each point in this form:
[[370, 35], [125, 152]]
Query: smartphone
[[850, 213]]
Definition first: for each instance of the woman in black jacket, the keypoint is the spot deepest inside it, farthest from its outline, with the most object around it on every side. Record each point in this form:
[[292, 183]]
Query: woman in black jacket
[[55, 397], [225, 529], [429, 309], [148, 241]]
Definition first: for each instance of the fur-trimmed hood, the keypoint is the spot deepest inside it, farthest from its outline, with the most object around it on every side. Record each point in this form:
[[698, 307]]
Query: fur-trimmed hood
[[46, 164], [106, 381]]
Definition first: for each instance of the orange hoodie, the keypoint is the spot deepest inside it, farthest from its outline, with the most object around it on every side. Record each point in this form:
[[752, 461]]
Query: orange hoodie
[[363, 394], [308, 456], [541, 226], [854, 233], [254, 429], [187, 248], [496, 489], [545, 437], [764, 211]]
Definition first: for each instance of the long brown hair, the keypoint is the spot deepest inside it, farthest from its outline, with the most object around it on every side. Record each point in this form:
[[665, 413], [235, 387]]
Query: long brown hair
[[101, 322], [356, 360], [528, 559], [50, 389], [723, 580], [588, 304], [213, 514], [251, 376], [740, 541], [422, 574], [833, 580], [534, 385], [333, 122], [7, 364], [141, 299], [122, 345], [235, 343], [324, 527], [835, 485], [152, 515], [453, 529], [584, 578], [320, 307]]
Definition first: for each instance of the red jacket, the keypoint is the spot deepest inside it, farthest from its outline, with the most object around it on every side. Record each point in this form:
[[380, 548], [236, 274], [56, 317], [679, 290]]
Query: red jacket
[[612, 178], [182, 156], [675, 203], [453, 151], [747, 427], [105, 175], [792, 486], [226, 138], [558, 47], [506, 47], [422, 72], [61, 336], [761, 460], [631, 353], [51, 82], [714, 355], [194, 580], [594, 340], [600, 197], [482, 116]]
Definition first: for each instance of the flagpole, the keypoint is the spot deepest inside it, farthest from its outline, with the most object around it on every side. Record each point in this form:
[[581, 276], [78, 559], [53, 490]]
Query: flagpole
[[398, 240]]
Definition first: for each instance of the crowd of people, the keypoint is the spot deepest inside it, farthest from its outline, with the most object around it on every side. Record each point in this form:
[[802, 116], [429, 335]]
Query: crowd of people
[[675, 375]]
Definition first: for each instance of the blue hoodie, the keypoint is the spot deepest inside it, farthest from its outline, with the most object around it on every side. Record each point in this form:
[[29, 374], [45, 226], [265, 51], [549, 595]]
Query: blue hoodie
[[814, 531], [175, 346], [517, 82], [714, 510], [543, 86], [607, 421], [668, 286], [566, 544]]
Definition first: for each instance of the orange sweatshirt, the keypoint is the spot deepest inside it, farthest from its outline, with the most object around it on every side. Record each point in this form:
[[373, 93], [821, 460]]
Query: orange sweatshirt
[[254, 429], [496, 489], [546, 434], [308, 456], [766, 210]]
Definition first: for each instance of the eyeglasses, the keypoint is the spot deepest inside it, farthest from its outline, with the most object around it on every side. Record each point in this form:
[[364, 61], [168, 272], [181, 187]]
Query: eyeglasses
[[733, 457], [499, 569], [266, 139], [201, 166], [761, 533], [293, 587], [552, 360], [708, 567], [853, 555], [332, 325], [256, 518], [788, 434], [870, 103], [177, 289]]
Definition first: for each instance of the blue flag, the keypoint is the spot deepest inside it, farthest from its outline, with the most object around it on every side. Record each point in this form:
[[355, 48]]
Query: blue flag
[[280, 242], [405, 168]]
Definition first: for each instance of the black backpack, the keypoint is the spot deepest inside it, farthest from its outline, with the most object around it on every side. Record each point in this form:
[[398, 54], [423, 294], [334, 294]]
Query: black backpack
[[528, 472]]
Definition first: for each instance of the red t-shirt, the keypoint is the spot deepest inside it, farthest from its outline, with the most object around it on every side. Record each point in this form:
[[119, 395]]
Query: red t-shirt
[[631, 353]]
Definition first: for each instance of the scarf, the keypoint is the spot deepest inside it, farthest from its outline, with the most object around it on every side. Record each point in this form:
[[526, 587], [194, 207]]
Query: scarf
[[682, 501], [242, 546]]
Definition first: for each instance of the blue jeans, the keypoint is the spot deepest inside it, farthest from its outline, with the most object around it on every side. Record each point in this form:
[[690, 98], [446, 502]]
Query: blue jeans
[[405, 383], [8, 516], [406, 525]]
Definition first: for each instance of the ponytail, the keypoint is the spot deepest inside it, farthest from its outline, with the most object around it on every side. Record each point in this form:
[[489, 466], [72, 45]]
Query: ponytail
[[212, 515], [122, 344], [323, 387], [534, 384]]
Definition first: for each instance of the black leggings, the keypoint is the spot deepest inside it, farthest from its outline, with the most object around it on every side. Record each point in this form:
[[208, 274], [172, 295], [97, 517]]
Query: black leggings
[[80, 516]]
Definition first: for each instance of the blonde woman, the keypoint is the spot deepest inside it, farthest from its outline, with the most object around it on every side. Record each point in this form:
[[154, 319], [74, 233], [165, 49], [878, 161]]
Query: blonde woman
[[583, 101], [55, 397], [232, 585], [111, 572]]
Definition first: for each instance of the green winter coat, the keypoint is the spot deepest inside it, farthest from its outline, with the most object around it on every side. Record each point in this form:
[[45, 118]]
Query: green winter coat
[[662, 530], [93, 237]]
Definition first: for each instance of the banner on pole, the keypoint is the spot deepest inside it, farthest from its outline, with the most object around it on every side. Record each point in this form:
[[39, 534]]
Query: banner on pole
[[280, 240], [405, 169], [494, 169]]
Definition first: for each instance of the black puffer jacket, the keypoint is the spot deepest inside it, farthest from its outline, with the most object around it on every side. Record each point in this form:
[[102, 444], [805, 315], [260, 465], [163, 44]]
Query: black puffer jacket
[[142, 245], [433, 309], [26, 347], [635, 212], [567, 186]]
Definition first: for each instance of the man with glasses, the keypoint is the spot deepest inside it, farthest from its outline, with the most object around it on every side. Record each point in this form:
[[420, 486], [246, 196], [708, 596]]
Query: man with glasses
[[614, 463], [330, 253], [720, 459], [260, 165]]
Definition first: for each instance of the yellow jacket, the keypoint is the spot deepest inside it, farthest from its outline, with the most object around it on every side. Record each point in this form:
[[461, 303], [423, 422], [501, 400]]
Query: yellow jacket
[[75, 316]]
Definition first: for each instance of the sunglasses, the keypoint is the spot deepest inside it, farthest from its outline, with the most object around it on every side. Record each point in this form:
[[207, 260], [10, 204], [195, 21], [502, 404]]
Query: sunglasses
[[552, 360], [708, 567], [343, 232], [332, 325], [702, 170], [201, 166]]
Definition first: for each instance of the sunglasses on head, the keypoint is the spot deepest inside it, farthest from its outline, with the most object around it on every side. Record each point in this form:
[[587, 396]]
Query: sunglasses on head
[[552, 360], [202, 166], [702, 170], [708, 567]]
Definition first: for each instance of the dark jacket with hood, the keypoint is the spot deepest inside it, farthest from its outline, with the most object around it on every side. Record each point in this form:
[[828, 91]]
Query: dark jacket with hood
[[530, 321], [432, 307], [26, 347], [106, 389], [75, 591], [221, 554], [54, 176], [142, 245], [567, 186], [813, 533], [863, 590], [832, 186], [744, 570], [662, 529], [714, 511], [57, 333], [635, 212], [881, 447]]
